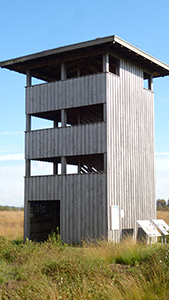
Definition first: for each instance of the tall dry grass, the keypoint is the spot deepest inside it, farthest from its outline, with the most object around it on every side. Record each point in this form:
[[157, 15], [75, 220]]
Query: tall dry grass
[[102, 270], [11, 224], [53, 270], [163, 215]]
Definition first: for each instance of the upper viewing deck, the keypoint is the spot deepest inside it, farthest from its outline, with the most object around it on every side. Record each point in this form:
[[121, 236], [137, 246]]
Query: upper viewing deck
[[53, 96], [44, 65]]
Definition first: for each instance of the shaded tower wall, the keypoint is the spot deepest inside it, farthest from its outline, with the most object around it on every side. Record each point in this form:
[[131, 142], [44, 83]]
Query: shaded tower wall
[[78, 141]]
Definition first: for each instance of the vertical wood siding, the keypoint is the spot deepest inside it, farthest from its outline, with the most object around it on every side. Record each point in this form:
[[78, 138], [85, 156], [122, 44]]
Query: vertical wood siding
[[87, 90], [130, 148], [83, 200], [65, 141], [130, 179]]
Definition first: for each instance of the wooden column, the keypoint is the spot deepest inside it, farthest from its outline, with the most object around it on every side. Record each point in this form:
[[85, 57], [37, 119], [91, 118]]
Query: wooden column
[[28, 83], [78, 116], [63, 117], [27, 167], [78, 72], [55, 123], [55, 168], [26, 220], [28, 78], [63, 71], [63, 165], [104, 112], [150, 83], [28, 122], [79, 164], [106, 62], [105, 162], [28, 125]]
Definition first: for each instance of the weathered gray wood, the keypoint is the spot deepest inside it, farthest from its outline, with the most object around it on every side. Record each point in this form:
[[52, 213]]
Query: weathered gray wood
[[65, 94], [28, 122], [75, 140], [63, 71], [27, 167], [63, 165], [28, 78], [129, 148], [125, 138], [72, 191], [63, 117], [106, 62]]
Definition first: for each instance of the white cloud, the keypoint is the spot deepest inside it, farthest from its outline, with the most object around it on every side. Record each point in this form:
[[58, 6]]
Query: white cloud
[[41, 168], [161, 153], [162, 163], [15, 156], [12, 185]]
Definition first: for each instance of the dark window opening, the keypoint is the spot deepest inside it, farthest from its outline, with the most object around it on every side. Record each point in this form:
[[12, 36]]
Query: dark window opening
[[127, 233], [85, 66], [113, 65], [86, 163], [147, 82], [91, 163], [44, 219], [75, 116], [85, 115], [74, 164]]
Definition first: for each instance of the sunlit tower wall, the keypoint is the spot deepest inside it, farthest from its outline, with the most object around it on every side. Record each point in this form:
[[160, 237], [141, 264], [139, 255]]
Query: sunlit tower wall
[[99, 96]]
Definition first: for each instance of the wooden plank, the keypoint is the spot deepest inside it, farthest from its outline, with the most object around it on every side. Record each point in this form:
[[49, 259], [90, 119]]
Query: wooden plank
[[79, 205], [65, 94], [70, 202]]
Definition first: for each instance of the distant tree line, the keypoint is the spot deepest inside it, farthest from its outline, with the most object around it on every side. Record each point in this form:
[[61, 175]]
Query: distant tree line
[[162, 205], [10, 208]]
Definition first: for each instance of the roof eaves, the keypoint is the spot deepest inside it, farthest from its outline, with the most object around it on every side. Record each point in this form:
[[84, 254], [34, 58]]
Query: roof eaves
[[77, 46], [141, 53]]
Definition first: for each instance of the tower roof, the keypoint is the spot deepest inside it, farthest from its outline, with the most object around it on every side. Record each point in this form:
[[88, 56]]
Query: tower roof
[[42, 63]]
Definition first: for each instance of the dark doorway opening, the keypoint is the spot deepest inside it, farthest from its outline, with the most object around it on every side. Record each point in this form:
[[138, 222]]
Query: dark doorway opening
[[127, 233], [44, 219]]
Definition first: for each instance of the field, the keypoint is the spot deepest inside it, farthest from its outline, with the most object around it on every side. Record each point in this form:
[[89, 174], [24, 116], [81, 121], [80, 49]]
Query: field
[[163, 215], [11, 223], [53, 270]]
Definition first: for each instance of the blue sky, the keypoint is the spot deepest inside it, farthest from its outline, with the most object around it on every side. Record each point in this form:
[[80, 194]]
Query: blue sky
[[31, 26]]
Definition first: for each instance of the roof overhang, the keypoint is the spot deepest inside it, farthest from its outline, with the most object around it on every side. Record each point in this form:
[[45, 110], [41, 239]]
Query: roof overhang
[[111, 43]]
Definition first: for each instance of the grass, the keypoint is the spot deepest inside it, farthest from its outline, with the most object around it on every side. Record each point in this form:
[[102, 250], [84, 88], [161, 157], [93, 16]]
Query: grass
[[11, 224], [93, 271], [102, 270], [163, 215]]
